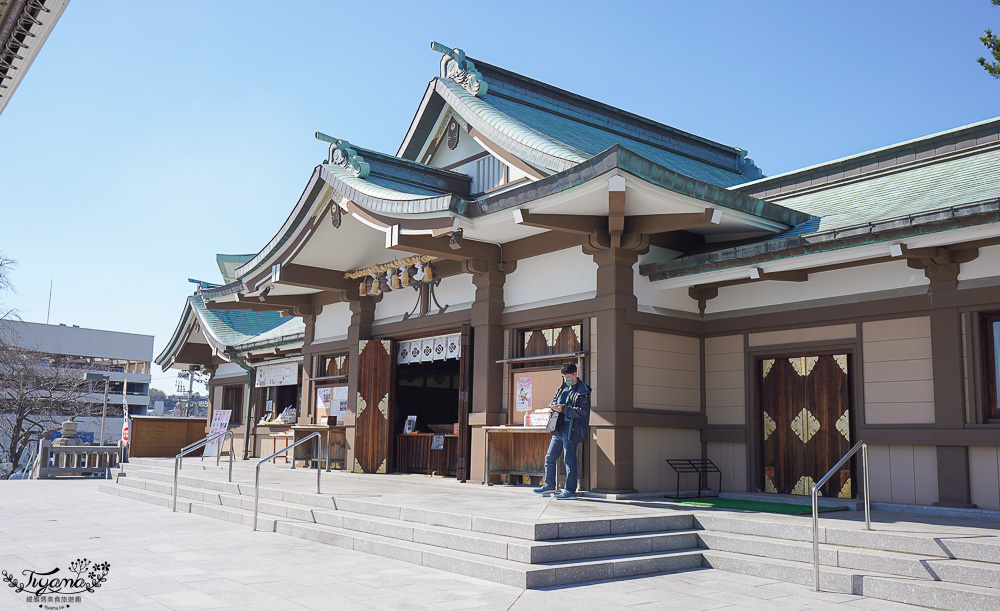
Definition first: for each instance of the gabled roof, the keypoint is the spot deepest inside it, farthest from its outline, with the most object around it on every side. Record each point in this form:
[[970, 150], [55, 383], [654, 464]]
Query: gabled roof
[[224, 329], [555, 129]]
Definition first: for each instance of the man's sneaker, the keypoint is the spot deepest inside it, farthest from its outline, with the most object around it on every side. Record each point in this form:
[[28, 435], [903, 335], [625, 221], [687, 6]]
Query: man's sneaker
[[545, 489], [566, 495]]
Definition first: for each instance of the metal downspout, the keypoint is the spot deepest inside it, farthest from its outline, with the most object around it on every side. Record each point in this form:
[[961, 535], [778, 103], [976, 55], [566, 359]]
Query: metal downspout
[[231, 352]]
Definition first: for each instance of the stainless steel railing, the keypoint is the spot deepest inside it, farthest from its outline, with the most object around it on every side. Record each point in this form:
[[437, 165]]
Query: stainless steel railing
[[198, 444], [861, 445], [319, 471]]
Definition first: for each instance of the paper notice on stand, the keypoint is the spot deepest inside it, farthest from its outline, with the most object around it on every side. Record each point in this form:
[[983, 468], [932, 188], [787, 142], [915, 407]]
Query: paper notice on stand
[[220, 422], [339, 403], [537, 418], [522, 388]]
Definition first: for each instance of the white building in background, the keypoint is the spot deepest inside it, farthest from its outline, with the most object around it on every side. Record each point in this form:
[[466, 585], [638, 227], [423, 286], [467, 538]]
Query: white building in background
[[123, 357]]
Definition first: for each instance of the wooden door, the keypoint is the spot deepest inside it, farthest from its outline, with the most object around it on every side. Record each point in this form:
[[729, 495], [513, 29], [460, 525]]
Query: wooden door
[[464, 404], [805, 407], [376, 373]]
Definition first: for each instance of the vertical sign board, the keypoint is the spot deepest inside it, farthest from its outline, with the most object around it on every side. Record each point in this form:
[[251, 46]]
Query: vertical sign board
[[220, 422]]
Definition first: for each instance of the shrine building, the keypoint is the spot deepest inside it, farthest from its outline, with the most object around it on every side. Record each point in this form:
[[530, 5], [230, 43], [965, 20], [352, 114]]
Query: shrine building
[[416, 305]]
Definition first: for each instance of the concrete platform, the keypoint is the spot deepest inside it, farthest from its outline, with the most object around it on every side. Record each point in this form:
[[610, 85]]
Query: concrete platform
[[163, 560], [510, 535]]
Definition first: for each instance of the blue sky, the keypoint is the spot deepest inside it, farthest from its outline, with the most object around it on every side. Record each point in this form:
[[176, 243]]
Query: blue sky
[[148, 136]]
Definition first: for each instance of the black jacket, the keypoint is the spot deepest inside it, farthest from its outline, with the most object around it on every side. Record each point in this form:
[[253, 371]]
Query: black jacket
[[576, 411]]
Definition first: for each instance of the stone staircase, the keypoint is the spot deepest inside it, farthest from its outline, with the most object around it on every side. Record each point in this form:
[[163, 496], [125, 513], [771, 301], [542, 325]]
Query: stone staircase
[[952, 572], [960, 572], [524, 555]]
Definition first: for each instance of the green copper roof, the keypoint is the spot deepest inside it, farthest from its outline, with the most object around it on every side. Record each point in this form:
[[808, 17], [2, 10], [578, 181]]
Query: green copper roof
[[905, 191], [555, 129], [620, 158], [228, 264], [946, 192], [233, 328]]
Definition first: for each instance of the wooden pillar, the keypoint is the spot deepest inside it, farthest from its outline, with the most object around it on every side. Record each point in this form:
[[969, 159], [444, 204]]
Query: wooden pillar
[[362, 317], [308, 388], [210, 370], [949, 406], [611, 446], [487, 375]]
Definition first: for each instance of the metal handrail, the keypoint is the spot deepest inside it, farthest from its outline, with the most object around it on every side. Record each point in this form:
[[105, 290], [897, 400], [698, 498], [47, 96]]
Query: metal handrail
[[861, 445], [194, 446], [256, 481]]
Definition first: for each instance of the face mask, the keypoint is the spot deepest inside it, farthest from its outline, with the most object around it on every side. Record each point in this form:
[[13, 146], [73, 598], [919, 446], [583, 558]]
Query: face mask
[[567, 382]]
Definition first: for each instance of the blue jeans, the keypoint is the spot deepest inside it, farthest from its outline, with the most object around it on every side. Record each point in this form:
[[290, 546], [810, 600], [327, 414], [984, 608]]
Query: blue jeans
[[561, 442]]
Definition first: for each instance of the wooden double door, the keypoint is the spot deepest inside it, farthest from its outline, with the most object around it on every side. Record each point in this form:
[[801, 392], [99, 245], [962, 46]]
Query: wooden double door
[[806, 423], [375, 407]]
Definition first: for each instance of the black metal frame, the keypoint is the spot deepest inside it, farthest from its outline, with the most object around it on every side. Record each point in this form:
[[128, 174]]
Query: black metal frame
[[700, 466]]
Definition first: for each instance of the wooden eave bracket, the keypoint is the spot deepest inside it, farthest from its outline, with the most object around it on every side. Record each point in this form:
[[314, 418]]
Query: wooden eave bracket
[[617, 230], [922, 258], [453, 248], [583, 224], [308, 277], [704, 292]]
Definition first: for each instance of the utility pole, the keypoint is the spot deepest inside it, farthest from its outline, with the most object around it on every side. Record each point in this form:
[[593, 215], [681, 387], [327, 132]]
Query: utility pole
[[49, 312]]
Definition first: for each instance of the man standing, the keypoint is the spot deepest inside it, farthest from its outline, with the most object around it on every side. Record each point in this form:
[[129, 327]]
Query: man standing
[[572, 403]]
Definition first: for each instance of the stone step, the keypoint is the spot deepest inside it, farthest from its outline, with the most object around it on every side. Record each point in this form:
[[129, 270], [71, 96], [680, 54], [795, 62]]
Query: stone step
[[960, 546], [536, 531], [917, 566], [499, 570], [520, 550], [922, 592]]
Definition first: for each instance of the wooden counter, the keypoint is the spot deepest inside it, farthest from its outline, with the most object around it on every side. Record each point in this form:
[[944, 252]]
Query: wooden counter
[[414, 454], [272, 438], [520, 450], [335, 438]]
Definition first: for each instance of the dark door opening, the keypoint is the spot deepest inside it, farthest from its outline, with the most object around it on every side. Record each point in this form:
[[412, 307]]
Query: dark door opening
[[427, 395]]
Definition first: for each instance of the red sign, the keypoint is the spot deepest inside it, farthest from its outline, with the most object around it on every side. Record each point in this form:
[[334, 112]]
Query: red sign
[[125, 431]]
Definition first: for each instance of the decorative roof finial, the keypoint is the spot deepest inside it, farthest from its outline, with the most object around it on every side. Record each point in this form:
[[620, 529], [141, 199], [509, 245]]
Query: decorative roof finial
[[343, 155], [461, 70]]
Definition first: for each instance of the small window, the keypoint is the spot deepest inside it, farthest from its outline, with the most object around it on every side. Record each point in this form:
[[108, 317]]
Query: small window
[[332, 366], [557, 339], [991, 363], [232, 399]]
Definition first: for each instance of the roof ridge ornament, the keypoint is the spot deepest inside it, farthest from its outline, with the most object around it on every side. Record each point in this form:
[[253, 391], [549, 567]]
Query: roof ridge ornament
[[455, 66], [343, 155]]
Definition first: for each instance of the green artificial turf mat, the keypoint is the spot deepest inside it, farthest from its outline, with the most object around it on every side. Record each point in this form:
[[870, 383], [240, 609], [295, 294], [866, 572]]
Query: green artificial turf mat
[[785, 508]]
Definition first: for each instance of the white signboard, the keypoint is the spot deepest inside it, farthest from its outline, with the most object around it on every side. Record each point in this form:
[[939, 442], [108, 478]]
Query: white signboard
[[281, 374], [220, 422]]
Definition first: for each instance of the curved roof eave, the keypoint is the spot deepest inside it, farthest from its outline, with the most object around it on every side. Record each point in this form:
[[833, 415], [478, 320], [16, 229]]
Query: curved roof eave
[[299, 213], [507, 132], [218, 292], [620, 158], [372, 197], [175, 337], [182, 333], [385, 200]]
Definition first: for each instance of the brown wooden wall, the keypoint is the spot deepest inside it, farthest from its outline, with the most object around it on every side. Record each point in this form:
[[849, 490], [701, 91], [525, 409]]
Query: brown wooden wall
[[158, 437]]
